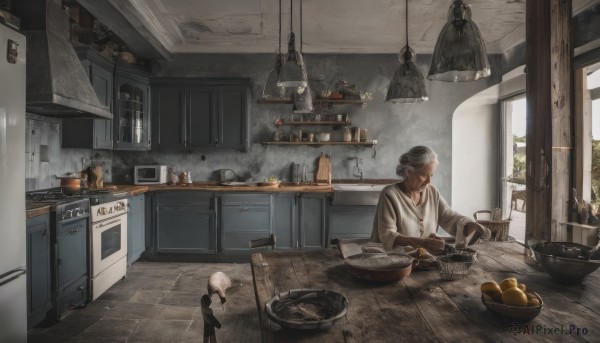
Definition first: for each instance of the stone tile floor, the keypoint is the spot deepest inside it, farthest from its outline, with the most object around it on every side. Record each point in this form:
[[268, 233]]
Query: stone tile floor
[[160, 302]]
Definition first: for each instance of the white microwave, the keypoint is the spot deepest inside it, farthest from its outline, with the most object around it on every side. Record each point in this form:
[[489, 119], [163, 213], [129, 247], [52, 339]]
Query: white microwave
[[149, 175]]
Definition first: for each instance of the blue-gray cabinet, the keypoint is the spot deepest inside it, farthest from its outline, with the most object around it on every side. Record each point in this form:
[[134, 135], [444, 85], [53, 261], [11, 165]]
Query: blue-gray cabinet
[[39, 280], [244, 217], [71, 264], [185, 222], [131, 121], [200, 113], [92, 133], [136, 228], [348, 222], [299, 220]]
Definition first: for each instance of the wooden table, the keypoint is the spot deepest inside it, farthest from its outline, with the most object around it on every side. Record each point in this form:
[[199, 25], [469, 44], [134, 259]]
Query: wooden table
[[423, 308]]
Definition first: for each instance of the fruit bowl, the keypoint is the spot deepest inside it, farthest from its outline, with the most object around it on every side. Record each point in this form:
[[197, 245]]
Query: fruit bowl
[[522, 313]]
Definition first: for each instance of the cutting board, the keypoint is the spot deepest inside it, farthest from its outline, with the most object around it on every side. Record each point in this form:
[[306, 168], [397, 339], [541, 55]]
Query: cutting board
[[323, 170]]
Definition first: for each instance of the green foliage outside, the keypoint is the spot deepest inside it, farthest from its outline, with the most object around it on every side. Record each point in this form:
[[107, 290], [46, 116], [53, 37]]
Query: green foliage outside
[[595, 174]]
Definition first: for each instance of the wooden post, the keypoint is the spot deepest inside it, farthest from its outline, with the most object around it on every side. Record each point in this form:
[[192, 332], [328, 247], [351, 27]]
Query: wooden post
[[549, 143]]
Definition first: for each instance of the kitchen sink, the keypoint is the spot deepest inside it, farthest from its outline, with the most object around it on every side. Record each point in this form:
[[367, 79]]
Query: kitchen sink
[[356, 194]]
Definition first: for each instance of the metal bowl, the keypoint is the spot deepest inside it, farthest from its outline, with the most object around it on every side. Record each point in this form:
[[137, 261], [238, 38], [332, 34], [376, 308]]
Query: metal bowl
[[564, 269], [307, 309]]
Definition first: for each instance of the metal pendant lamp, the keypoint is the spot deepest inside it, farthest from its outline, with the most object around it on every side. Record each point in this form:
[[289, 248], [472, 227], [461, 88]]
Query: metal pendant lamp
[[408, 84], [303, 96], [460, 53], [293, 71], [271, 89]]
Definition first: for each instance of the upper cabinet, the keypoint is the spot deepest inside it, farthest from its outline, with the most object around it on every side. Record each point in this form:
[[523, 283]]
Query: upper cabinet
[[131, 121], [92, 133], [123, 89], [199, 113]]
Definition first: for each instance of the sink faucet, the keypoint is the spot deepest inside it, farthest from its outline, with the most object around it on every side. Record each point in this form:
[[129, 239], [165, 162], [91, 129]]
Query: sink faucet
[[358, 172]]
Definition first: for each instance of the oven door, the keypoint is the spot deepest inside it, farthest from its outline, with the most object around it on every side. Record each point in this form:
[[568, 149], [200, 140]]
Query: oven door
[[109, 242]]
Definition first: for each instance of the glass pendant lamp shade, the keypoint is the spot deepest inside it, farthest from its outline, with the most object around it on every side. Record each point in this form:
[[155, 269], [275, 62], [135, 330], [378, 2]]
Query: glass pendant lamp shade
[[303, 100], [271, 90], [293, 71], [408, 84], [459, 53]]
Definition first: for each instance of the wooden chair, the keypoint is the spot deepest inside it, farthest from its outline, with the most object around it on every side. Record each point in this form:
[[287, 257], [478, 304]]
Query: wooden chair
[[210, 322], [263, 242]]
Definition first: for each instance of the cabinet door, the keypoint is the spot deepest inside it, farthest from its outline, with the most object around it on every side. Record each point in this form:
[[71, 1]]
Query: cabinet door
[[244, 217], [201, 120], [347, 222], [131, 114], [185, 230], [312, 220], [285, 219], [39, 286], [233, 118], [185, 222], [102, 82], [92, 133], [136, 235], [168, 116], [72, 254]]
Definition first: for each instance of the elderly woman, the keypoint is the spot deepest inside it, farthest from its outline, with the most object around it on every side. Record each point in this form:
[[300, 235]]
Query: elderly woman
[[410, 211]]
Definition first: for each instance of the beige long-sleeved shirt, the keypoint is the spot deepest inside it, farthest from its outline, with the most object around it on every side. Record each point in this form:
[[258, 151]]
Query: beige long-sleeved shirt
[[397, 215]]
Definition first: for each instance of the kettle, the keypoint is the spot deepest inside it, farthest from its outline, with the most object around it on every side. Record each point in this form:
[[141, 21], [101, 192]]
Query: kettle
[[226, 175]]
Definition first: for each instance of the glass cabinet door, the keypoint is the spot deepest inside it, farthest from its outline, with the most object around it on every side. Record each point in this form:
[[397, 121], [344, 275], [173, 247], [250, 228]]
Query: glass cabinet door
[[131, 124]]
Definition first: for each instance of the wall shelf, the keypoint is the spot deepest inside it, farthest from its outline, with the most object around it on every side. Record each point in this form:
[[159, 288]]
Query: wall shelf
[[316, 101], [322, 122], [367, 144]]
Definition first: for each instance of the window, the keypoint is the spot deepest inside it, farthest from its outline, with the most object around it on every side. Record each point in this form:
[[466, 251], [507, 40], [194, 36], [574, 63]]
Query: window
[[512, 176]]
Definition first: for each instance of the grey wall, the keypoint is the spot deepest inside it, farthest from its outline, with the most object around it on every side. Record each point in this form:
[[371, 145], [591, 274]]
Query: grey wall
[[44, 159], [396, 127]]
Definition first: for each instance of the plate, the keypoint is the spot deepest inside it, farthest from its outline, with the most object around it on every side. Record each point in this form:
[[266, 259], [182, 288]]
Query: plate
[[235, 183], [307, 309], [380, 267]]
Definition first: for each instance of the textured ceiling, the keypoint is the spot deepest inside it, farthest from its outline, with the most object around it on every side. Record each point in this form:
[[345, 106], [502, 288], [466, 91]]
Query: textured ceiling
[[328, 26]]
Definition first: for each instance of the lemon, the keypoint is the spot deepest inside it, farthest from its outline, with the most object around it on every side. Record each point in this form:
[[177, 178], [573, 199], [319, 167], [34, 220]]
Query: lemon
[[522, 287], [492, 289], [533, 302], [508, 283], [514, 297]]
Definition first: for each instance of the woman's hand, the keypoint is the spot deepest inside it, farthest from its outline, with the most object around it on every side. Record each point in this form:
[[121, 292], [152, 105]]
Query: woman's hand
[[477, 231], [433, 243]]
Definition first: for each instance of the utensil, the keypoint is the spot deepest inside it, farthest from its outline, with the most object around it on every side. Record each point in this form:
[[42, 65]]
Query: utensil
[[72, 183], [594, 249]]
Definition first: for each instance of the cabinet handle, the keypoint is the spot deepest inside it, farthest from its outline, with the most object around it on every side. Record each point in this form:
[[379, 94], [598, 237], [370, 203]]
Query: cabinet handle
[[44, 232], [96, 146], [74, 232]]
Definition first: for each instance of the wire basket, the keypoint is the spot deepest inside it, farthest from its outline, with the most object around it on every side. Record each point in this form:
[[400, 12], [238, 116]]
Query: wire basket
[[455, 266], [498, 228]]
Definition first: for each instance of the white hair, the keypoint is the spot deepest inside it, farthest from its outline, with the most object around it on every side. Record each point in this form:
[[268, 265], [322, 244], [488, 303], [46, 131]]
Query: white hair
[[415, 158]]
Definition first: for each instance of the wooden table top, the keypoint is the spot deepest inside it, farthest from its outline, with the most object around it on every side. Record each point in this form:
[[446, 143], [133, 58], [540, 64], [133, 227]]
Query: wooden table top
[[423, 308]]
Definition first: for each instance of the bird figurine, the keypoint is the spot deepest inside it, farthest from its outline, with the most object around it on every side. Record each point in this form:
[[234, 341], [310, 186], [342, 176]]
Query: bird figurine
[[217, 283]]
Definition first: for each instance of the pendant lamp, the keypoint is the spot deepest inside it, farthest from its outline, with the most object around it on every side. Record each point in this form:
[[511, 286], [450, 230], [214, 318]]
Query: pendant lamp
[[408, 84], [459, 53], [271, 89], [293, 71], [303, 96]]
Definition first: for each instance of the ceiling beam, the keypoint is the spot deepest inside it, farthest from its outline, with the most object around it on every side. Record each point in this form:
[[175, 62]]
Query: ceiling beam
[[129, 28]]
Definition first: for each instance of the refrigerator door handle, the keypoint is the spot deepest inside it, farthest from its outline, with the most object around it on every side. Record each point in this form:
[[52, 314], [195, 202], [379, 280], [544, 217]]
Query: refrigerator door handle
[[11, 275]]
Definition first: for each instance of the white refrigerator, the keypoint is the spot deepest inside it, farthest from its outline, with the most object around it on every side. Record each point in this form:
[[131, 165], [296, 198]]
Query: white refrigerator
[[13, 293]]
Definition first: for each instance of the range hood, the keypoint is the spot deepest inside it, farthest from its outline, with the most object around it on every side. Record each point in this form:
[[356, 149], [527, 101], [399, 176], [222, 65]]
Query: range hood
[[57, 83]]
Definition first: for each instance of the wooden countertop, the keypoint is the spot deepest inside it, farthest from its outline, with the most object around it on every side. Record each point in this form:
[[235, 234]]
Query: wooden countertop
[[424, 308], [34, 209]]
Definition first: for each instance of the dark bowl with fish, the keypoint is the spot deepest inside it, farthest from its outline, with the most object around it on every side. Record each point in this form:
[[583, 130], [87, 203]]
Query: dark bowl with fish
[[566, 262], [307, 309]]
